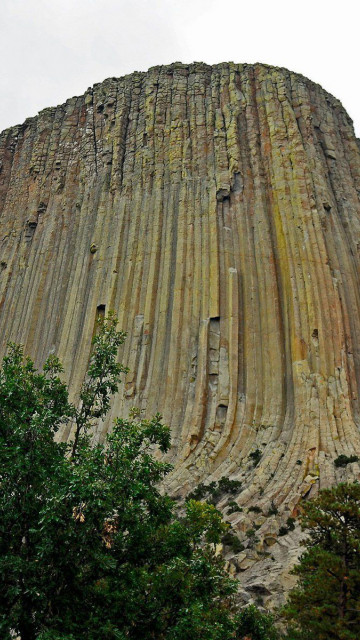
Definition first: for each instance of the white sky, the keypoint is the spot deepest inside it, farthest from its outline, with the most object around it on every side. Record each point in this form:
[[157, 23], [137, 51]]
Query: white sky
[[51, 50]]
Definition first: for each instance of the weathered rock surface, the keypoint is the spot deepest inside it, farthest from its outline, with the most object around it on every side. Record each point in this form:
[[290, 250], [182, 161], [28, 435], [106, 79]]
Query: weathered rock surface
[[216, 210]]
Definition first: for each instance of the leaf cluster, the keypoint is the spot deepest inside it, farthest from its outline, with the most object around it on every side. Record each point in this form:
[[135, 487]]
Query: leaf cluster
[[214, 490], [253, 624], [326, 601], [343, 460], [89, 546], [255, 457]]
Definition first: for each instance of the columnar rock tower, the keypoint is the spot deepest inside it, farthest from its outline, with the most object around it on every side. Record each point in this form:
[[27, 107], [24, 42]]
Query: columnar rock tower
[[216, 210]]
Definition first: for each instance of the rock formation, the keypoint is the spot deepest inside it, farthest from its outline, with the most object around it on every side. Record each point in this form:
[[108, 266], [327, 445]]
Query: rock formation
[[216, 210]]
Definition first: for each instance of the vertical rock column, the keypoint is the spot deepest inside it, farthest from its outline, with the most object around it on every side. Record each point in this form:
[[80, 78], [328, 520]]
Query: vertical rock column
[[216, 210]]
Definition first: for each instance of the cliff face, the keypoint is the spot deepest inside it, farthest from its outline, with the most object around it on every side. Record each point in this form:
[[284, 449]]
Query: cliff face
[[216, 210]]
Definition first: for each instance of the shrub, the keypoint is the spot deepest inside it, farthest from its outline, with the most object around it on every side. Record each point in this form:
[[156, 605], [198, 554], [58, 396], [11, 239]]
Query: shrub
[[283, 531], [273, 511], [255, 457], [255, 509], [229, 486], [344, 460], [233, 507], [232, 541]]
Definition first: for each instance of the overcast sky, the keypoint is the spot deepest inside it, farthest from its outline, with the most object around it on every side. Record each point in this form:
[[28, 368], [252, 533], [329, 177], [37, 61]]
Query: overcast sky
[[54, 49]]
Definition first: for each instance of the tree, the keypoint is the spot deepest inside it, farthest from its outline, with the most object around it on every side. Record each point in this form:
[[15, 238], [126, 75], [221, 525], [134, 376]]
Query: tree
[[89, 546], [251, 624], [325, 605]]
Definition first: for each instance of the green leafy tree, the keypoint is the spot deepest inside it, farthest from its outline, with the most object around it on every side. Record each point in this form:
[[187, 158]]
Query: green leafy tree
[[252, 624], [325, 605], [89, 547]]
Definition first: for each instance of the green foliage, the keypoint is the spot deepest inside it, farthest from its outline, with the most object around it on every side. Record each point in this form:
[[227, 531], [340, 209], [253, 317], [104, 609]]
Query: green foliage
[[252, 538], [325, 605], [255, 509], [204, 522], [290, 522], [273, 511], [233, 507], [232, 541], [229, 486], [290, 526], [343, 460], [198, 493], [255, 457], [89, 547], [214, 490], [254, 625], [102, 380]]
